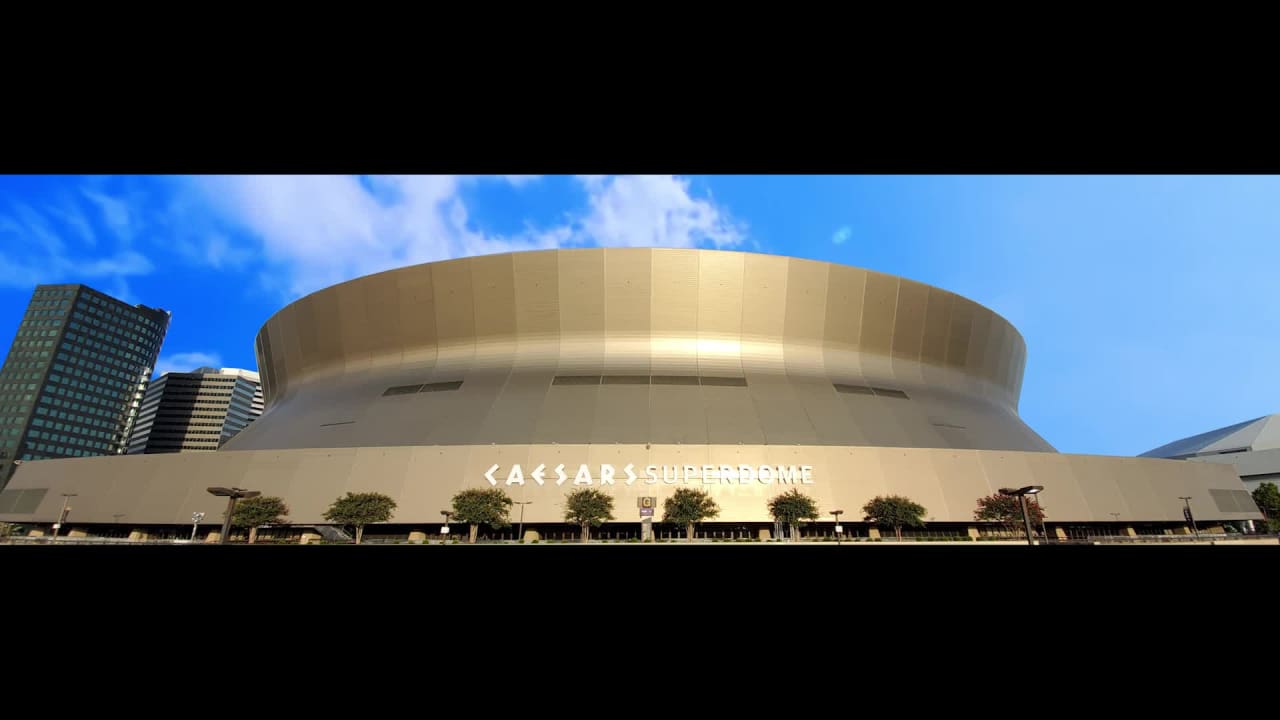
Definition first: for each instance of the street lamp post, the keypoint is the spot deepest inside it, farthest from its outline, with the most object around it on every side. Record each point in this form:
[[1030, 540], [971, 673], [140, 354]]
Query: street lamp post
[[196, 517], [1021, 494], [62, 516], [520, 532], [232, 495], [1187, 514], [839, 530], [444, 529]]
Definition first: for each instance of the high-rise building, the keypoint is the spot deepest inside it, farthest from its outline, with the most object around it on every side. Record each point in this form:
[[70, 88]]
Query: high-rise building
[[196, 411], [75, 375]]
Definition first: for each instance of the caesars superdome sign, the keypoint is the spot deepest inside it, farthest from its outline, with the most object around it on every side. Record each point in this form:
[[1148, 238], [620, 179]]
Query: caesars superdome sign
[[607, 474]]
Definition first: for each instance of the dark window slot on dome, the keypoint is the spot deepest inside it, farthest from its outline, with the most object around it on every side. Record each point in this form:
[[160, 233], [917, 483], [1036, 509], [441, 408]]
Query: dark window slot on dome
[[885, 392], [576, 380], [853, 389], [402, 390], [725, 381], [675, 379], [626, 379], [442, 386], [345, 422]]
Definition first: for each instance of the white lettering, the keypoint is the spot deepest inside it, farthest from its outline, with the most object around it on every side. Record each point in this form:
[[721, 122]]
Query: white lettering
[[726, 474], [671, 474], [516, 476]]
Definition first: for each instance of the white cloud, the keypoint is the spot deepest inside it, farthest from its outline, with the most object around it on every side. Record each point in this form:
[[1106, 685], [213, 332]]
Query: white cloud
[[654, 211], [322, 230], [115, 212], [41, 254], [187, 361], [842, 235]]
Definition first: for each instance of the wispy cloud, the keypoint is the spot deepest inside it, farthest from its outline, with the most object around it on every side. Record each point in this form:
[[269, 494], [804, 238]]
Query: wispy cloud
[[320, 230], [842, 235], [654, 210], [187, 361], [115, 213], [48, 244]]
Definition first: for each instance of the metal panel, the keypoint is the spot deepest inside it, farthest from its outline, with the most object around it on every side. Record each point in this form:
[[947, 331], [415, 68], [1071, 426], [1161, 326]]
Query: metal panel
[[880, 304], [764, 304], [354, 329], [415, 293], [537, 286], [719, 314], [908, 324], [937, 325], [582, 319], [628, 305]]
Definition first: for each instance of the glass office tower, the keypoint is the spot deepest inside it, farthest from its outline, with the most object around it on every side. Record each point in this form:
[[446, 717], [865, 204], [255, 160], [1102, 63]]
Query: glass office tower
[[75, 375]]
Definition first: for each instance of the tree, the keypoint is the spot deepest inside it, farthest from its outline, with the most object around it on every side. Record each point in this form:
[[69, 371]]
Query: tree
[[1267, 497], [792, 507], [254, 512], [1007, 509], [588, 508], [894, 511], [688, 507], [360, 509], [476, 507]]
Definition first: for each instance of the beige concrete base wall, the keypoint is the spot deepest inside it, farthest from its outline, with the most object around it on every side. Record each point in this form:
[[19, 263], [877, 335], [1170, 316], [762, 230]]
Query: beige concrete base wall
[[168, 488]]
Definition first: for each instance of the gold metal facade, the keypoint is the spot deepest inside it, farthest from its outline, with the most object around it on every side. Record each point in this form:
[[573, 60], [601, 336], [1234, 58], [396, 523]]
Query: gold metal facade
[[663, 346]]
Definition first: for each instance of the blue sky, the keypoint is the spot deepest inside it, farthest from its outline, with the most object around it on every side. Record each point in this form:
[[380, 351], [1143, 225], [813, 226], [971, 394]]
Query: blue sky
[[1147, 302]]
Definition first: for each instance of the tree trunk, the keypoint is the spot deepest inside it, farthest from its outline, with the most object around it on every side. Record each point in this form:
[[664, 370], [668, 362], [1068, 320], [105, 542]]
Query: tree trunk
[[253, 535], [475, 530], [897, 530], [688, 532], [792, 530], [586, 532], [359, 533]]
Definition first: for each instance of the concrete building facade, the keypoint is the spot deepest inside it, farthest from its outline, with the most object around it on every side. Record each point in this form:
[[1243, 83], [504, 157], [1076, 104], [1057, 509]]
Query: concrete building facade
[[196, 411], [1251, 448], [636, 371]]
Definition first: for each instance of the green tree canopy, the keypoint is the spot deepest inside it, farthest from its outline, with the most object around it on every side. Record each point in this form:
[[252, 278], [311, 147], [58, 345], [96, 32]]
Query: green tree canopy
[[688, 507], [588, 508], [360, 509], [255, 512], [478, 507], [1267, 497], [792, 508], [1007, 509], [894, 511]]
